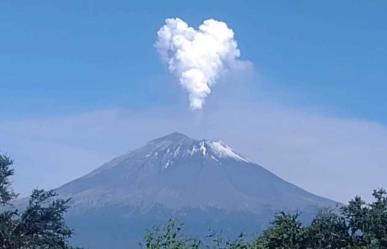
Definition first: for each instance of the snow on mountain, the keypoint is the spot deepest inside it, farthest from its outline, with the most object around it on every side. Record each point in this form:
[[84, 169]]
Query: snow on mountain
[[224, 151]]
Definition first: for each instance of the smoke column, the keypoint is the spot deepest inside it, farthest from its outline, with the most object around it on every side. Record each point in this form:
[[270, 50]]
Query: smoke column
[[197, 56]]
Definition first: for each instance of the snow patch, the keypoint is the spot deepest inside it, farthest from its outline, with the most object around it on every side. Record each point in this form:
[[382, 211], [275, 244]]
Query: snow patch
[[203, 148], [176, 152], [214, 158], [167, 164], [223, 150], [193, 150]]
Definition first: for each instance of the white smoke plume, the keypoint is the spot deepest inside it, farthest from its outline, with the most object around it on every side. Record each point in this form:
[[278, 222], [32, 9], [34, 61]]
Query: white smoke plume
[[197, 57]]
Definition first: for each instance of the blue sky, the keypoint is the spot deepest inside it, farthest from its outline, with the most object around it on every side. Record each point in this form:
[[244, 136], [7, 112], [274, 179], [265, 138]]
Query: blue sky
[[66, 58], [77, 55]]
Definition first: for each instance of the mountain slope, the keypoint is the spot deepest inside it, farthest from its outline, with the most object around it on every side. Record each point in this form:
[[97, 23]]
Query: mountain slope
[[201, 181]]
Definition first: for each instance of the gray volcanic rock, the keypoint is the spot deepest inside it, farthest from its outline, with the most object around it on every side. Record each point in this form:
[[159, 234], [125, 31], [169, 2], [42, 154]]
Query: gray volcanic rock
[[203, 183]]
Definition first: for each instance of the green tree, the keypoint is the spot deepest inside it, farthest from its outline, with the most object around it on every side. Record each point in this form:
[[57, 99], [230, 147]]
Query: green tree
[[286, 232], [377, 219], [356, 215], [368, 222], [327, 230], [40, 226], [169, 236], [6, 193]]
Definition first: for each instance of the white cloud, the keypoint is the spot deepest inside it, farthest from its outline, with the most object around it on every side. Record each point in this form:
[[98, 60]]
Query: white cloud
[[197, 57]]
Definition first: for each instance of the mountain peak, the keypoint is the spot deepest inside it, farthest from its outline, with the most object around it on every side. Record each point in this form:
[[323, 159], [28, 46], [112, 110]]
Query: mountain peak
[[174, 137], [178, 145]]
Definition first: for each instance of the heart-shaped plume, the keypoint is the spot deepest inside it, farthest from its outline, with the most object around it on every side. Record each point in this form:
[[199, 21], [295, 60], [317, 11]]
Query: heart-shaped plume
[[197, 56]]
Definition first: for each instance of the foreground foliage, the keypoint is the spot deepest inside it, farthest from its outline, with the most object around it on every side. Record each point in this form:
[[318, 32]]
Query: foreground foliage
[[40, 226], [356, 226]]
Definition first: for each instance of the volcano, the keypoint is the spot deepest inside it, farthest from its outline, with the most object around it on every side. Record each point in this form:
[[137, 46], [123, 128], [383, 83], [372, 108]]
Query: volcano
[[204, 184]]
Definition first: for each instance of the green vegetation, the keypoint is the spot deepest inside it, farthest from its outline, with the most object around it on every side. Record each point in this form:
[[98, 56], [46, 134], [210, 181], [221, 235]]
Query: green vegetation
[[41, 224], [357, 226]]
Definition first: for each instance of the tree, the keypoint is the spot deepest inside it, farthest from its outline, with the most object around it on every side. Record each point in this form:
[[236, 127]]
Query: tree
[[6, 193], [377, 219], [356, 213], [169, 237], [286, 233], [368, 222], [40, 226], [327, 230]]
